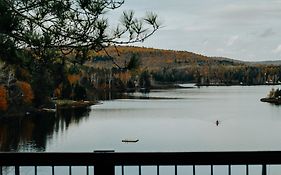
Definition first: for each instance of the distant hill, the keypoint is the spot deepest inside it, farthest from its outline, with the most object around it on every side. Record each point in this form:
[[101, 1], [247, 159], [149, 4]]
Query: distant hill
[[154, 59], [229, 59], [183, 66], [275, 63]]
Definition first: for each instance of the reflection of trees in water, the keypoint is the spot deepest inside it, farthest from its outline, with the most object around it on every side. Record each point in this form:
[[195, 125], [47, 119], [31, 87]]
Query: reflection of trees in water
[[32, 133], [108, 95], [105, 95]]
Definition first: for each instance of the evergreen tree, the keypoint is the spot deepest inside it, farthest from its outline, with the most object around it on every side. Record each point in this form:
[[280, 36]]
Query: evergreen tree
[[52, 30], [134, 62]]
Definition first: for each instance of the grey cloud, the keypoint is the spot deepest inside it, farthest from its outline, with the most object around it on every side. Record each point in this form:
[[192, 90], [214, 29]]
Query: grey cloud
[[267, 33], [203, 26], [243, 13]]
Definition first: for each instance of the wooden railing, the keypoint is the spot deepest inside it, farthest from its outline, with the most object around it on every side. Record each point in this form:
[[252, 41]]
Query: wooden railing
[[104, 163]]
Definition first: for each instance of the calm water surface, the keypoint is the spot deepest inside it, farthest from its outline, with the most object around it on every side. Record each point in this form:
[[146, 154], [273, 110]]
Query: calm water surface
[[166, 120]]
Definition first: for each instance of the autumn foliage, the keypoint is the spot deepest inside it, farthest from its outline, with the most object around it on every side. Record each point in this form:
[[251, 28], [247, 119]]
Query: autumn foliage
[[27, 91], [58, 91], [74, 78], [3, 99], [182, 66], [123, 76]]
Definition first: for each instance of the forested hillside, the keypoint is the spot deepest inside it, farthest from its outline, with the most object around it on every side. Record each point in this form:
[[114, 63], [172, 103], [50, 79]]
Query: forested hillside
[[121, 69], [156, 59], [183, 66]]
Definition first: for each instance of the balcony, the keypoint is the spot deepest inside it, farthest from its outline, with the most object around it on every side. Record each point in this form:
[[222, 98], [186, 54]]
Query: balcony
[[105, 163]]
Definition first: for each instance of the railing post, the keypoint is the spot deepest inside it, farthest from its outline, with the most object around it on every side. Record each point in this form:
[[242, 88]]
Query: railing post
[[53, 170], [194, 169], [70, 171], [104, 169], [35, 170], [17, 170], [139, 169], [122, 170], [264, 169], [87, 170], [158, 170]]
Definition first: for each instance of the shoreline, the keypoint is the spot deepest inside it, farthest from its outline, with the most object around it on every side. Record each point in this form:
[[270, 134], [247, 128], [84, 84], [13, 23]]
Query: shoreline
[[225, 84], [72, 104], [58, 105], [276, 101], [66, 104]]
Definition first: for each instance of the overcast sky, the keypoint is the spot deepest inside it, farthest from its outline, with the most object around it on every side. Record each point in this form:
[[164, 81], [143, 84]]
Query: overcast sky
[[238, 29]]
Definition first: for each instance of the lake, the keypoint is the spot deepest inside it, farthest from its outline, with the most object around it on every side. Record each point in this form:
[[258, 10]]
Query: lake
[[165, 120]]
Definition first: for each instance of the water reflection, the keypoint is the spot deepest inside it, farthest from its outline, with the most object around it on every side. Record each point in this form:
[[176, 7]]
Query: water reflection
[[105, 96], [164, 120], [32, 133]]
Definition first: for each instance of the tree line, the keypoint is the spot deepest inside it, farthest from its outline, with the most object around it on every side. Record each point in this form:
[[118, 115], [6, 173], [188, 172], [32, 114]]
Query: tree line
[[222, 75]]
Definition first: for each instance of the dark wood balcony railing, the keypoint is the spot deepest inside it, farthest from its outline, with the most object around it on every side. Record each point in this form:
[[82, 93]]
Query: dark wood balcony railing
[[104, 163]]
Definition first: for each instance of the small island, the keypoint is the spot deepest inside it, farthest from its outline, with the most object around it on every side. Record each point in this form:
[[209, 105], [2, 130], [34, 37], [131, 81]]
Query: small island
[[273, 97], [66, 104]]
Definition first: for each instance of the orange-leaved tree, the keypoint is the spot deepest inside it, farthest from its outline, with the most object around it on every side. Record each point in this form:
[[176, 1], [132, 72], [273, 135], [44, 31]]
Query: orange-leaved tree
[[73, 78], [3, 98], [49, 32], [27, 91]]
